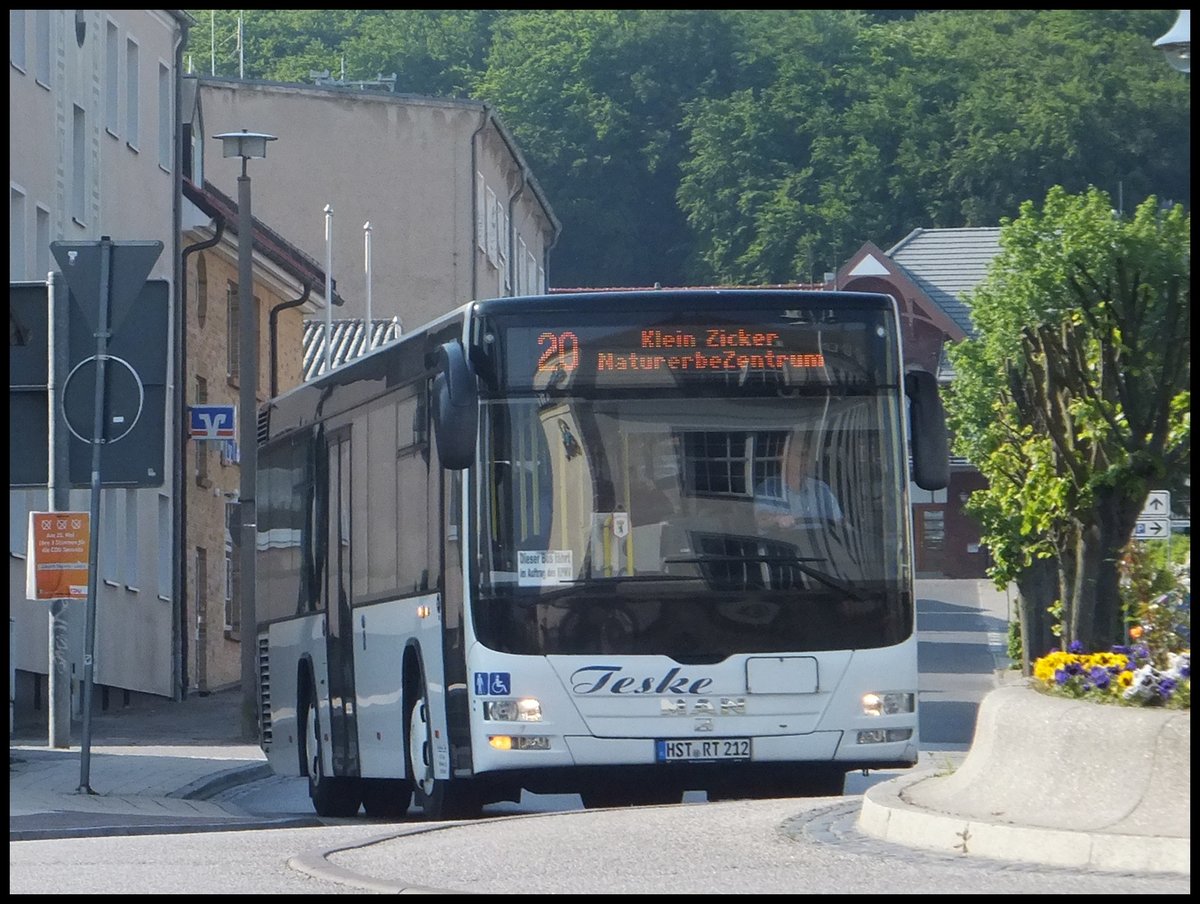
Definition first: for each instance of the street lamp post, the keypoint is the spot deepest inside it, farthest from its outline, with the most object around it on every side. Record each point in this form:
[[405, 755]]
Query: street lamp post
[[246, 145]]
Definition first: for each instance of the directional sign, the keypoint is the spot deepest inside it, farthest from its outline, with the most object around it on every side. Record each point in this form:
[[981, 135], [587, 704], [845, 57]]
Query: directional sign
[[212, 422], [1152, 529], [1158, 505]]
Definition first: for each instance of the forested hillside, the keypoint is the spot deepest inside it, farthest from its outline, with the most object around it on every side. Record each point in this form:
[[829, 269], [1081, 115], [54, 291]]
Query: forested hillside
[[751, 146]]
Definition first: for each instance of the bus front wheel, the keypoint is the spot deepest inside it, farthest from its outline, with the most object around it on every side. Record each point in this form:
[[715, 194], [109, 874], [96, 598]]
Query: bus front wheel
[[330, 796], [438, 798]]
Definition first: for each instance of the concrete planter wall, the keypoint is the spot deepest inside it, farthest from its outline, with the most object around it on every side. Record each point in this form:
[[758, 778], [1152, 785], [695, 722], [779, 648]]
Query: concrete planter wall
[[1059, 781]]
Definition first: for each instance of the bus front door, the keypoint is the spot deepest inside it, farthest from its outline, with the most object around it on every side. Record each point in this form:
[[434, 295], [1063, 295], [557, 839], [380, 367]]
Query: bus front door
[[339, 634]]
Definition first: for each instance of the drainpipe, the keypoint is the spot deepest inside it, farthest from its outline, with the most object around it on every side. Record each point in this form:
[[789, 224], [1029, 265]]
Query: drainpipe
[[475, 202], [179, 575], [181, 444], [546, 258], [512, 228], [274, 323]]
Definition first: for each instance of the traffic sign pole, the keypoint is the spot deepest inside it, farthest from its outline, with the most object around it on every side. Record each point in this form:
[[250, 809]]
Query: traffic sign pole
[[89, 637], [59, 673]]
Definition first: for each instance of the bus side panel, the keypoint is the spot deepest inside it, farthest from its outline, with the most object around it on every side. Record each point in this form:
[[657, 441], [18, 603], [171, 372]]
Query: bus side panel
[[381, 633], [290, 642]]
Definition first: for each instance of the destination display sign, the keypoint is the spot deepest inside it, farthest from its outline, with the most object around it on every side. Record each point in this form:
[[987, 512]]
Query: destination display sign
[[698, 349], [574, 356]]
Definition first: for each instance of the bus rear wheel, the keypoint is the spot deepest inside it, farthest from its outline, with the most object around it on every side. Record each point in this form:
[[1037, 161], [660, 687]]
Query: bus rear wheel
[[438, 798], [330, 796]]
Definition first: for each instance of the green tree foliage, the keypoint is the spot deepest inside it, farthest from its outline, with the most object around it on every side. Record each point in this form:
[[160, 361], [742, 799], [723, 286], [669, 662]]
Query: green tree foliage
[[856, 128], [699, 146], [1074, 397], [595, 98]]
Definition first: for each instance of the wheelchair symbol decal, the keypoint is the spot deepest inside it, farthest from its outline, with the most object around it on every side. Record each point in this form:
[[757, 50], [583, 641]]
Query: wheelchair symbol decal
[[491, 684]]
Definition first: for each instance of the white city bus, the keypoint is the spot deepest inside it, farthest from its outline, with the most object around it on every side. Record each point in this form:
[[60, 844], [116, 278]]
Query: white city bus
[[558, 543]]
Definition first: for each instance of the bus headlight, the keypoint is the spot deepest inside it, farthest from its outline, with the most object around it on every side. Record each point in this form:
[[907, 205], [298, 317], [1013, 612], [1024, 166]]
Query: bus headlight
[[874, 704], [524, 710]]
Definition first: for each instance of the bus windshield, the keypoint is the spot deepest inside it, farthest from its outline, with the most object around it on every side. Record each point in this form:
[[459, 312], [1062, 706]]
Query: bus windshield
[[693, 516]]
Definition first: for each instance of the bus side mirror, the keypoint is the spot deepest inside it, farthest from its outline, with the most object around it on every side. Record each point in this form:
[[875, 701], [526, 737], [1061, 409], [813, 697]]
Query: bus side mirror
[[455, 407], [930, 445]]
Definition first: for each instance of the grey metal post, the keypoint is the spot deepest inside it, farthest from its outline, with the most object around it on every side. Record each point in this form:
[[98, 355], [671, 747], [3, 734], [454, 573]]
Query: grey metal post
[[248, 457], [89, 638], [59, 734]]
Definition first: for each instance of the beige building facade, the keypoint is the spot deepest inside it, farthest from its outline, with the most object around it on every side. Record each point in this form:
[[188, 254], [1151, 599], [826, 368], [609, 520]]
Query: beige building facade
[[288, 287], [454, 211], [93, 152]]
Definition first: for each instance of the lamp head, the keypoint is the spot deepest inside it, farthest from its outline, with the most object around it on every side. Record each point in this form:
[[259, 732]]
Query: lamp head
[[244, 144], [1177, 43]]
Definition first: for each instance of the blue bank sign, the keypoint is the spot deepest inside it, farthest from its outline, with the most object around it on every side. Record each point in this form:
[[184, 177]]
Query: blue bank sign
[[212, 422]]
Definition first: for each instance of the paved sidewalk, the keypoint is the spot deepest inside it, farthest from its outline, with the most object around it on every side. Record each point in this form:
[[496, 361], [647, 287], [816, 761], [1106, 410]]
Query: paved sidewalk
[[150, 767]]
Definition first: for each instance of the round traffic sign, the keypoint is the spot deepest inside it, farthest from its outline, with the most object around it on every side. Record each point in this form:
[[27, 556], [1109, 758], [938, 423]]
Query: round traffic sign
[[123, 398]]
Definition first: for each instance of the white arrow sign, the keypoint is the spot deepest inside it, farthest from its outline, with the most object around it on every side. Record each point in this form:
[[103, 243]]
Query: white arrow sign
[[1158, 505], [1152, 529]]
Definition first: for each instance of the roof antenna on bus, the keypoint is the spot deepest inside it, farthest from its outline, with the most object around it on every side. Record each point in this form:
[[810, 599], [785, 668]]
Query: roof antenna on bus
[[658, 285]]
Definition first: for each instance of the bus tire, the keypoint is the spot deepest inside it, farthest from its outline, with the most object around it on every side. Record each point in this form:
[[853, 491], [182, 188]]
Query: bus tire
[[438, 798], [330, 796]]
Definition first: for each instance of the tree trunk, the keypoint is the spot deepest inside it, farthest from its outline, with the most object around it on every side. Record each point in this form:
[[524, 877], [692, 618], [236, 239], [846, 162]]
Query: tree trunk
[[1037, 586], [1098, 620]]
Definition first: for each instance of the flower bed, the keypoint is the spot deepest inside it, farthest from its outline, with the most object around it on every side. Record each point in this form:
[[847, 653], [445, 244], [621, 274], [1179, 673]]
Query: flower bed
[[1126, 675]]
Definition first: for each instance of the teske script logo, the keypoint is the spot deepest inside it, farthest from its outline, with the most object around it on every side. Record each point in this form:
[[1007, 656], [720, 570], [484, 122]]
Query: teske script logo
[[595, 679]]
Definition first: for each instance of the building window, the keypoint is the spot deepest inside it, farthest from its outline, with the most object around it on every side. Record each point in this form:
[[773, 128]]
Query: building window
[[79, 166], [505, 238], [232, 570], [41, 47], [767, 464], [231, 331], [16, 234], [132, 79], [112, 86], [492, 226], [41, 250], [132, 547], [714, 463], [16, 38], [18, 522], [164, 117], [164, 548], [201, 445], [109, 551], [201, 290], [202, 618], [480, 213]]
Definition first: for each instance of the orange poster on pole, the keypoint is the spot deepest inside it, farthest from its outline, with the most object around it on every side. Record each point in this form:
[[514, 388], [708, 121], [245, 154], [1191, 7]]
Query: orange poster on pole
[[58, 555]]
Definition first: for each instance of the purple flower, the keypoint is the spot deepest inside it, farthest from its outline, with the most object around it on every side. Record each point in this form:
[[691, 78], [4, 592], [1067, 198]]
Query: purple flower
[[1074, 668], [1061, 677], [1075, 646], [1120, 648], [1099, 677], [1166, 687]]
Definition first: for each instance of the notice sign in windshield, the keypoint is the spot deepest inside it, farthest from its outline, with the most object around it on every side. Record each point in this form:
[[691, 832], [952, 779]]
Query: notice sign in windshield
[[542, 567]]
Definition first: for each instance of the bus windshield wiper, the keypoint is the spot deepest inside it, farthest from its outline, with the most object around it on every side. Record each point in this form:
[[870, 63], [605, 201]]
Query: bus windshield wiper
[[796, 562]]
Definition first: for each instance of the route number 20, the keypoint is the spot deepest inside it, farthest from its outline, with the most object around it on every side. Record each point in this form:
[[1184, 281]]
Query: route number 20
[[560, 351]]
